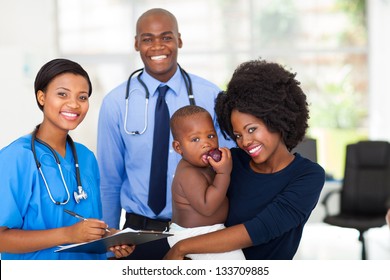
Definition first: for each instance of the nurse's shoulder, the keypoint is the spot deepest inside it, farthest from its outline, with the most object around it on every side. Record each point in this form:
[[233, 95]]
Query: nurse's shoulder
[[17, 156], [18, 147]]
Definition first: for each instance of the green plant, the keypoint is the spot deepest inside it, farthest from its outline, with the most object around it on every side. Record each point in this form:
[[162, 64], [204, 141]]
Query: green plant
[[339, 105]]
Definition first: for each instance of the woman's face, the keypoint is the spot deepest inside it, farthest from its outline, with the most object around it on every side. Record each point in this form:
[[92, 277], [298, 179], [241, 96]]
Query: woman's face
[[65, 102], [253, 136]]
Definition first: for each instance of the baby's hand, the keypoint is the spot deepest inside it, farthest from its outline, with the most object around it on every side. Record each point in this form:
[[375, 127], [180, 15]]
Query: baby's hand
[[224, 165], [215, 154]]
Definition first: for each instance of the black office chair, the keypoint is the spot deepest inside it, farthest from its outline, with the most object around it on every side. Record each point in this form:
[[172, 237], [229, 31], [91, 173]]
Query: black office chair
[[365, 189]]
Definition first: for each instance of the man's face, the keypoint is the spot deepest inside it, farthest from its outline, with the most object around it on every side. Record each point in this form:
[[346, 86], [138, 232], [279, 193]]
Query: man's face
[[158, 41]]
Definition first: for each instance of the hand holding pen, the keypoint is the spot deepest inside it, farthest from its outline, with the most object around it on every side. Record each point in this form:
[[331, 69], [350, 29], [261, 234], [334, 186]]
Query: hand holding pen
[[120, 251], [78, 216]]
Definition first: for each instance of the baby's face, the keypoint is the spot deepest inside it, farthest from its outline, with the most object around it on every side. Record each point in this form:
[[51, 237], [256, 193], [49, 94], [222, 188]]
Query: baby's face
[[197, 137]]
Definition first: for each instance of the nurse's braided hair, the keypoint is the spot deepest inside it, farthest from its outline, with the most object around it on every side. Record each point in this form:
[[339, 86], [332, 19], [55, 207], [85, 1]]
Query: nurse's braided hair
[[56, 67]]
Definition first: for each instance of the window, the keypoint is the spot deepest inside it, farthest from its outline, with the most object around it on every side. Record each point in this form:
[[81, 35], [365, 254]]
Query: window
[[324, 41]]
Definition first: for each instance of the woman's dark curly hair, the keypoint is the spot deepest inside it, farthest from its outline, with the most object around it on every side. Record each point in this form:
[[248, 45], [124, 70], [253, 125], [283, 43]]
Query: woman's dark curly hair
[[270, 93]]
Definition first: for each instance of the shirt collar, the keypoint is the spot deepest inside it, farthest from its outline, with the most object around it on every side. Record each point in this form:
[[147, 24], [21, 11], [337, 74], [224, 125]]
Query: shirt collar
[[174, 83]]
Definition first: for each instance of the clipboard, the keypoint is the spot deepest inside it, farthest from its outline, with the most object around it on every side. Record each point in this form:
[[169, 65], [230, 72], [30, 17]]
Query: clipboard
[[126, 236]]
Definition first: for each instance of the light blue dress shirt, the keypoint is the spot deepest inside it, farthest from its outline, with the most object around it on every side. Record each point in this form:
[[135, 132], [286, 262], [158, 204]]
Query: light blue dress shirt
[[124, 160], [24, 200]]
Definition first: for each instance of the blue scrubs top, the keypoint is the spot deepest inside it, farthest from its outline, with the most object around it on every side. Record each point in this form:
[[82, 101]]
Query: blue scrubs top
[[24, 200]]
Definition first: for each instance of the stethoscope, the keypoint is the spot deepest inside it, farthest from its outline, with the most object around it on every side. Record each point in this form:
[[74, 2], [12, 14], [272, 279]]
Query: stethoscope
[[81, 194], [187, 81]]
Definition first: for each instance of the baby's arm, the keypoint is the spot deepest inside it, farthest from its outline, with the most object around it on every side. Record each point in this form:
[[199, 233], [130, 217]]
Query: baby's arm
[[222, 168], [204, 197]]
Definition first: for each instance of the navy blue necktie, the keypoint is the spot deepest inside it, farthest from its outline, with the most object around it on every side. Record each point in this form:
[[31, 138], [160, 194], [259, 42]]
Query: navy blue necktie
[[159, 166]]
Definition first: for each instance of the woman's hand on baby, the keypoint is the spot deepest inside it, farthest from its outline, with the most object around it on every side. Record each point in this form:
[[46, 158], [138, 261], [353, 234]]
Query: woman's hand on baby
[[173, 255]]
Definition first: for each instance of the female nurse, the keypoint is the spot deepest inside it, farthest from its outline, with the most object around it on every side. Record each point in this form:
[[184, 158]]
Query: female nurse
[[45, 173]]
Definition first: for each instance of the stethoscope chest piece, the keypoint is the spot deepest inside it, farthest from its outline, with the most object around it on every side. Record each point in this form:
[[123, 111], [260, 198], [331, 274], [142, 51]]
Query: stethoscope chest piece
[[80, 194]]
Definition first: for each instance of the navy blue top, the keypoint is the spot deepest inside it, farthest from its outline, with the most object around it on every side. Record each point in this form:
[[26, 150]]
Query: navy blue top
[[273, 207]]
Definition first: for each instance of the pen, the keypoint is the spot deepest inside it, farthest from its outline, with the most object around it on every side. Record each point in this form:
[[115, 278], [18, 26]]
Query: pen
[[79, 216]]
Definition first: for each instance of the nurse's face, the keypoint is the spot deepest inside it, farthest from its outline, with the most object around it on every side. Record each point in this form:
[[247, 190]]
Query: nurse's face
[[158, 41], [65, 102]]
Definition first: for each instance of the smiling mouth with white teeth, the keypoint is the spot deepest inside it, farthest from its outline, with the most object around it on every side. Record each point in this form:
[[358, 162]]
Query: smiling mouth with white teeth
[[69, 114], [158, 57], [255, 149]]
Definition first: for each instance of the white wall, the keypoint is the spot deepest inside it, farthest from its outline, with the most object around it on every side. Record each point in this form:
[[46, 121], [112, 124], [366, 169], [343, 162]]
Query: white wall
[[379, 68], [27, 41]]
